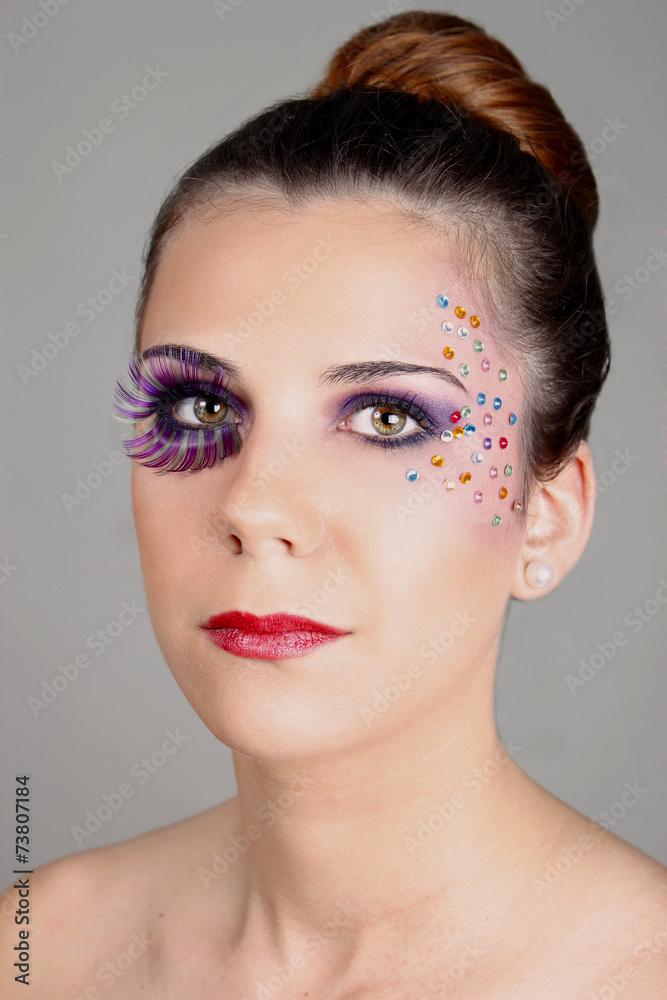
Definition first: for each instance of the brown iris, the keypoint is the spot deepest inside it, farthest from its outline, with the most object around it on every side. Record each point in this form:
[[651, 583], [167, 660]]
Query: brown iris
[[209, 410], [386, 420]]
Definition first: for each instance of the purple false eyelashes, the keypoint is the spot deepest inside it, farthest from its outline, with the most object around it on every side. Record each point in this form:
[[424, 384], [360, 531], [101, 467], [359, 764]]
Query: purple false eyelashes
[[158, 380]]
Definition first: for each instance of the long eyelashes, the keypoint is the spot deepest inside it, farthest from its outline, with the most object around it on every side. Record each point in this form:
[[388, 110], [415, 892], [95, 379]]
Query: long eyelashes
[[165, 376], [158, 380]]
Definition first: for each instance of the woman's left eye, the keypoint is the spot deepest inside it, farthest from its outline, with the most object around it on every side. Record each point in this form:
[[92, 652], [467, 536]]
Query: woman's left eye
[[385, 420], [202, 410]]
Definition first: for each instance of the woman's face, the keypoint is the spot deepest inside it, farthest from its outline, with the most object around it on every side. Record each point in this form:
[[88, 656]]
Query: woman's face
[[316, 515]]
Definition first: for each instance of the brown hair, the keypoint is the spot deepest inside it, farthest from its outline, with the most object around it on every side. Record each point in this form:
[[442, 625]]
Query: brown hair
[[430, 111]]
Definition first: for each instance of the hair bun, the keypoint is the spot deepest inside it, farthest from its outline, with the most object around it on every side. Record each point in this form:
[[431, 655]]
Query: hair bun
[[450, 59]]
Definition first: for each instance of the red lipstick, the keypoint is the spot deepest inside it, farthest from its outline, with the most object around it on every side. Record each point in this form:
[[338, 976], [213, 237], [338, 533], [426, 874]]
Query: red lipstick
[[269, 637]]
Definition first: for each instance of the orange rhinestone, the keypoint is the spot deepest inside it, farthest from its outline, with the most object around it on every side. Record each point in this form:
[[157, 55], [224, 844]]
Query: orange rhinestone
[[475, 321], [438, 460], [460, 312], [466, 477], [448, 352], [458, 432], [502, 493]]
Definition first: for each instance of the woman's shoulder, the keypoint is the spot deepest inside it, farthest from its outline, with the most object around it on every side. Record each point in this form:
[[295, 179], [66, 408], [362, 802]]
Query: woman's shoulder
[[92, 913], [608, 905]]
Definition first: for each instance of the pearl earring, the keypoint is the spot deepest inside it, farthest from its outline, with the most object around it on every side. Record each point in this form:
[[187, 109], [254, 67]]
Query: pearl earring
[[539, 574]]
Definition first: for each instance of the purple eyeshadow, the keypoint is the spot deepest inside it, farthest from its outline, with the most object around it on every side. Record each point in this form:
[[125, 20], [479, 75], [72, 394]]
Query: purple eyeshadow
[[158, 379]]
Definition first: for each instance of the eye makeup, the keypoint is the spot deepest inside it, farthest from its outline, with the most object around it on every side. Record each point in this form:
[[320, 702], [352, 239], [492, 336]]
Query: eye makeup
[[386, 409], [163, 382], [191, 406]]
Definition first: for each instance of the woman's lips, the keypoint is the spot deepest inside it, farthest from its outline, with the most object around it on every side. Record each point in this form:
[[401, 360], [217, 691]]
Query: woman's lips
[[269, 637]]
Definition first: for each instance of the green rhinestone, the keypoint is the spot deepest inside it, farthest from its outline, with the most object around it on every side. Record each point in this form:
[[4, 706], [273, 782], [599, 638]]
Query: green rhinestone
[[478, 346], [508, 470], [464, 369], [496, 520], [465, 412], [502, 374]]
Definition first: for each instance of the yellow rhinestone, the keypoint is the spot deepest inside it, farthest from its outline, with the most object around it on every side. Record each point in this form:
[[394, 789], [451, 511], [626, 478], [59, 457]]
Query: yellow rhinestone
[[466, 477], [438, 460], [460, 312], [474, 321], [458, 432], [448, 352]]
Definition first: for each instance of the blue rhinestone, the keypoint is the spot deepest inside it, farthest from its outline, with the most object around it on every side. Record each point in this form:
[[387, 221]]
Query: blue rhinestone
[[497, 403], [512, 418], [469, 429], [442, 301], [412, 475], [487, 442], [481, 398]]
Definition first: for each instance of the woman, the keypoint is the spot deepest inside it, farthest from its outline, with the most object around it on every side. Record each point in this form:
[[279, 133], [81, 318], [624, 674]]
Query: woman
[[401, 262]]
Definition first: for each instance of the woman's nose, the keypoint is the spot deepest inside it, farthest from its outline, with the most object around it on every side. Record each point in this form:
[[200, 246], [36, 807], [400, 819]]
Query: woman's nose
[[265, 504]]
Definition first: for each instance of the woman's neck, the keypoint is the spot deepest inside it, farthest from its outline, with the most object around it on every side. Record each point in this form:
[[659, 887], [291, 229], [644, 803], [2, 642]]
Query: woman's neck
[[407, 833]]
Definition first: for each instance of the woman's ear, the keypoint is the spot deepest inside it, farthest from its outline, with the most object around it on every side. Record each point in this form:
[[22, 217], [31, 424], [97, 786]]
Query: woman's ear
[[558, 522]]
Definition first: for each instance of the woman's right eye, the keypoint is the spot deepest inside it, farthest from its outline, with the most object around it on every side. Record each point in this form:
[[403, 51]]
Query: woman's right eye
[[203, 411]]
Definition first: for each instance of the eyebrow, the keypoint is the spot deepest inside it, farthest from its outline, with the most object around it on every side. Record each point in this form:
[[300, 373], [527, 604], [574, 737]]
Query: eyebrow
[[361, 371], [354, 373]]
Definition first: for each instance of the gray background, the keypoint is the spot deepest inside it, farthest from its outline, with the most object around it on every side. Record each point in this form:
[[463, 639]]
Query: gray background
[[60, 241]]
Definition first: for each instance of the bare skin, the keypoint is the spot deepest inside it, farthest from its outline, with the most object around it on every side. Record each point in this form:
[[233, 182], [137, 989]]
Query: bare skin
[[405, 855]]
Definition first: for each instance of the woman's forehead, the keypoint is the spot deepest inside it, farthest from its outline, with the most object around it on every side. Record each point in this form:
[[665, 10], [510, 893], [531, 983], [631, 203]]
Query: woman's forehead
[[337, 266]]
